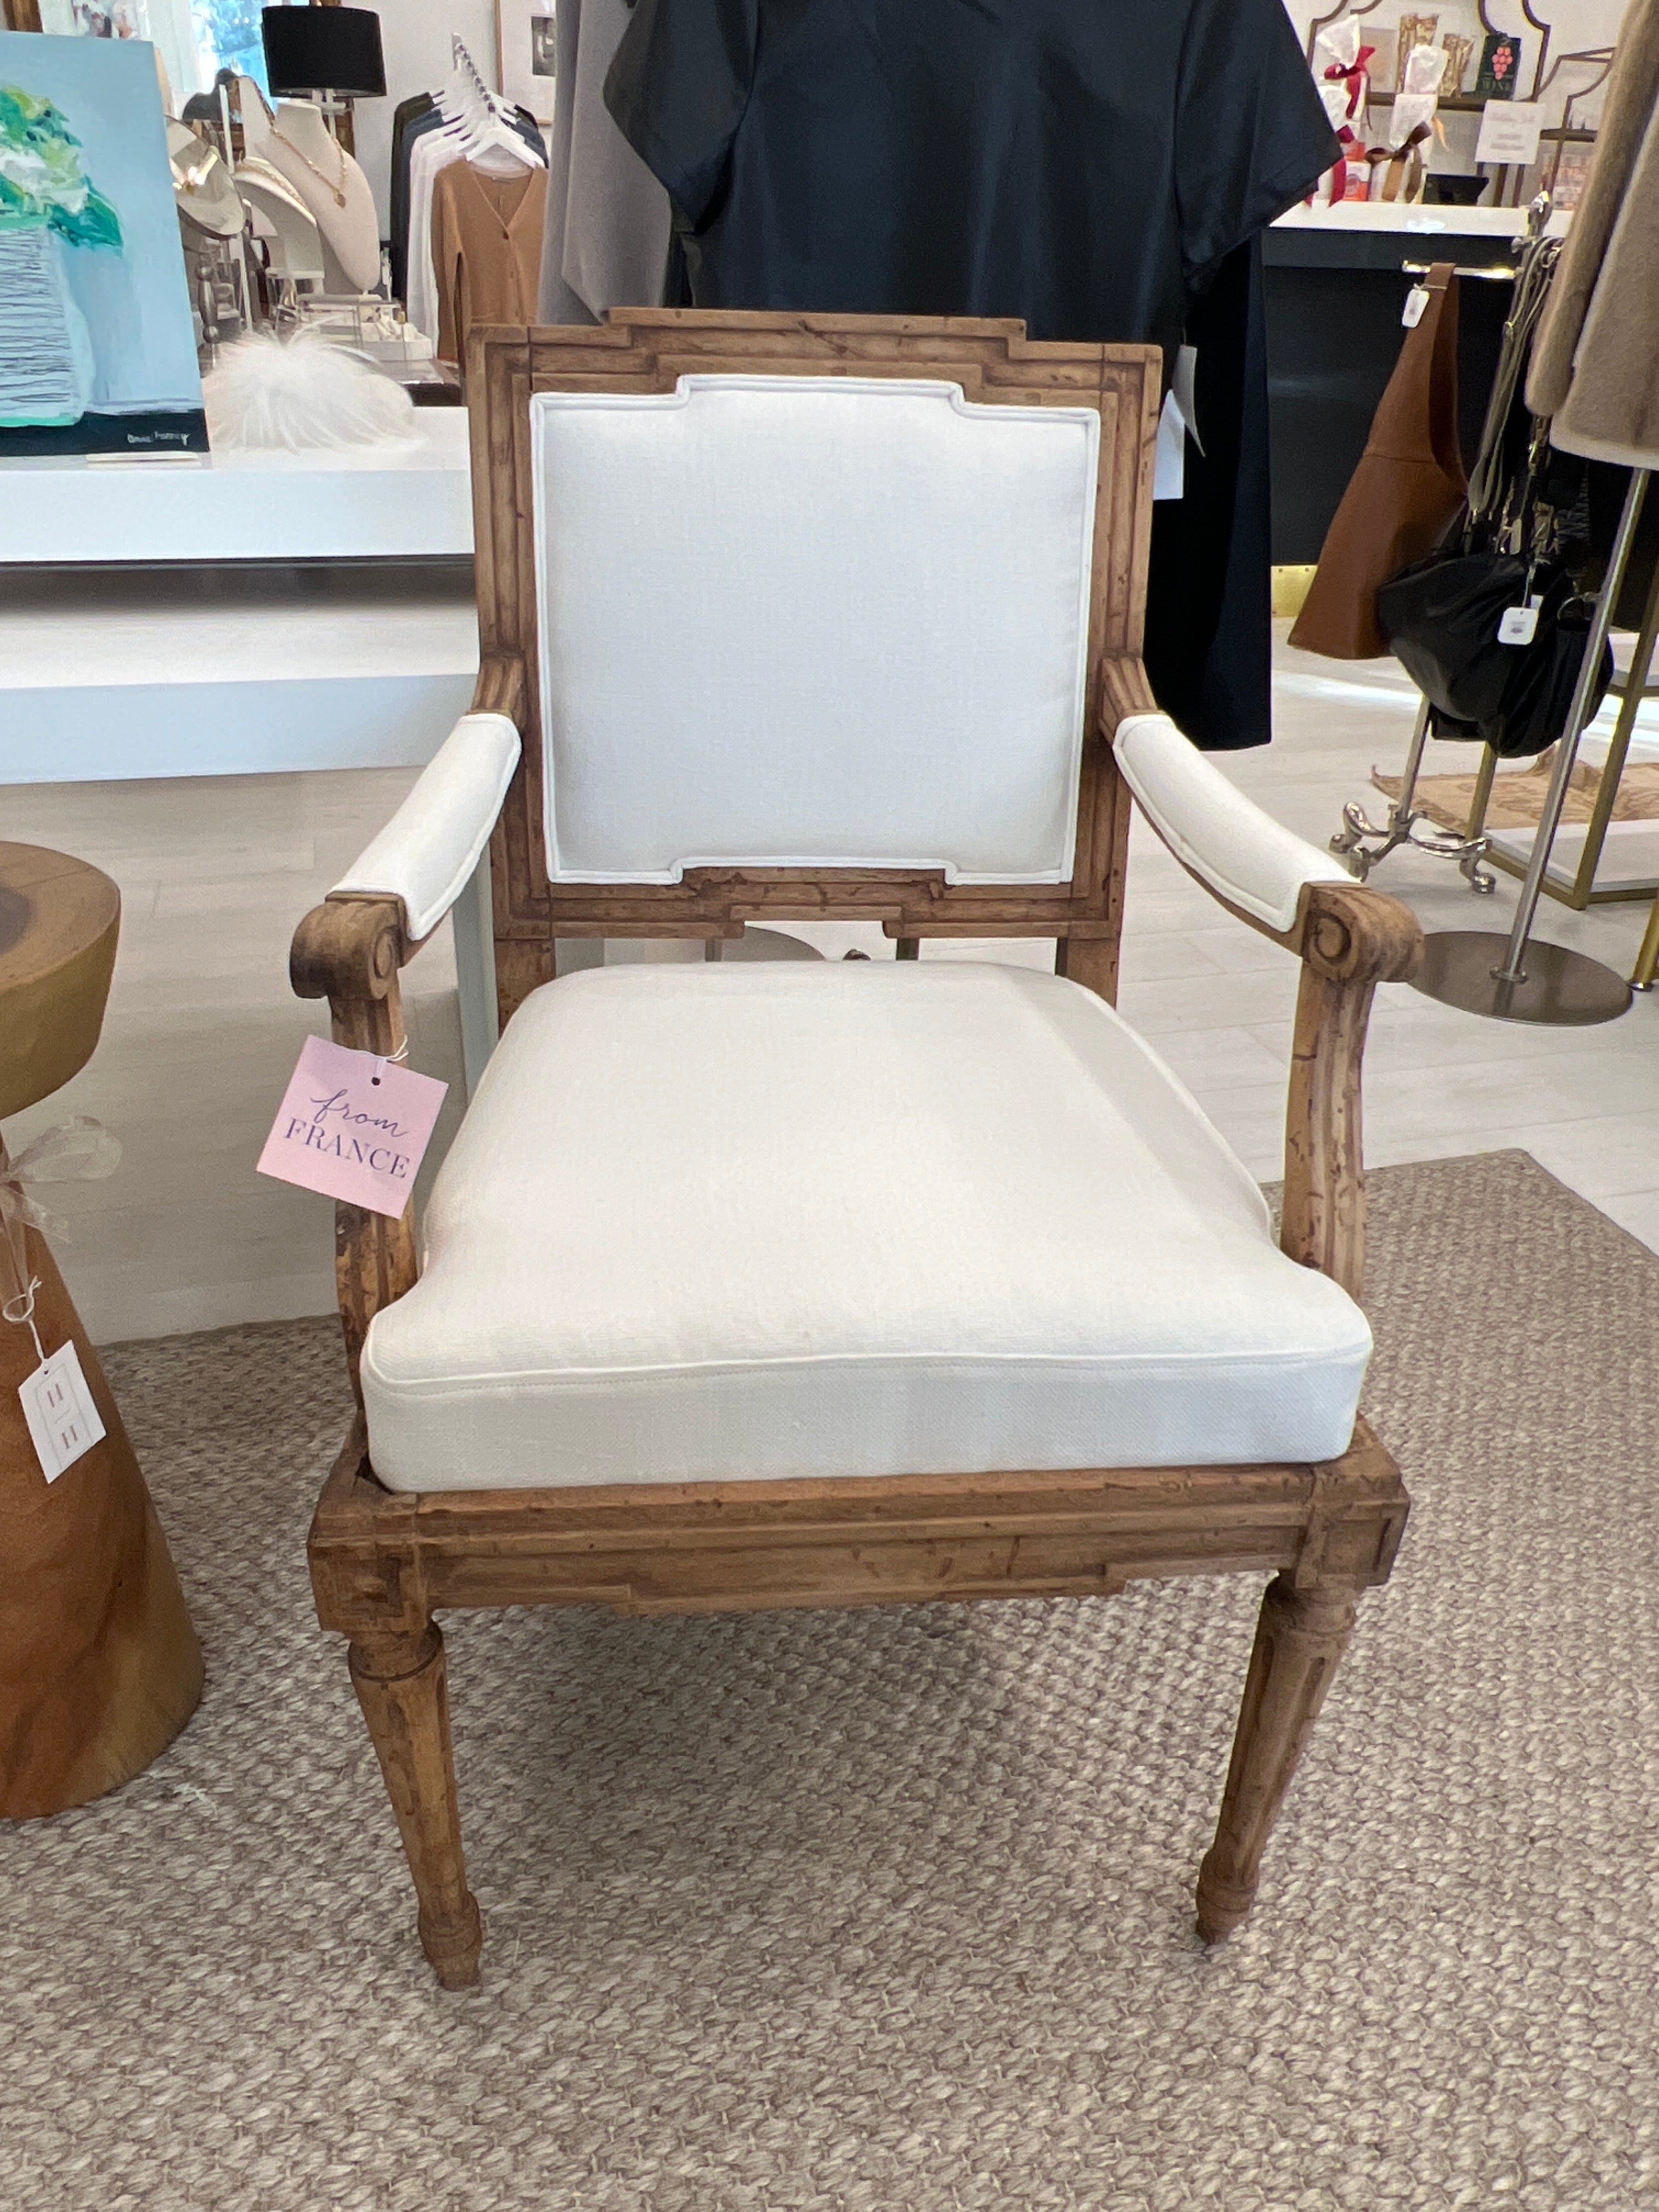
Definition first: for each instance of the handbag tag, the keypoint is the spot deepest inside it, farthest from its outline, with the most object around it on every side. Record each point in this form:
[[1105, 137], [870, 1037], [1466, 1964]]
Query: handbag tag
[[1416, 300], [1519, 625]]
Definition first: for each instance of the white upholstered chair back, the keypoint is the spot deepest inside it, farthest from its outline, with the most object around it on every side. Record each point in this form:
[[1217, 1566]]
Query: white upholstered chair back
[[811, 621]]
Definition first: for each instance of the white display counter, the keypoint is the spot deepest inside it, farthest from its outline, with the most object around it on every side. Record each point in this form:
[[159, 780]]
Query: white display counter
[[411, 503], [190, 672], [1367, 218], [246, 614]]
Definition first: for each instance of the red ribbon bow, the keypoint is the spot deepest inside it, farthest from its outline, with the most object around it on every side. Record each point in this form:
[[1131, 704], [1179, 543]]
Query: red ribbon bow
[[1354, 74]]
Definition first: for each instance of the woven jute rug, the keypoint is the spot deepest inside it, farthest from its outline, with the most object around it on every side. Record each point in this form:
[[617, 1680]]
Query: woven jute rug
[[890, 1911], [1518, 798]]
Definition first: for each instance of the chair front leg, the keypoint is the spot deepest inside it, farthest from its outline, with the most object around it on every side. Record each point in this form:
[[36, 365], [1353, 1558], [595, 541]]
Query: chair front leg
[[1300, 1636], [402, 1685]]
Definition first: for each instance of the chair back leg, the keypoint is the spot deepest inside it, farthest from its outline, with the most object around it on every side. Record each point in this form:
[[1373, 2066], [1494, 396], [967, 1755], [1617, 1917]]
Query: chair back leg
[[402, 1685], [1300, 1636]]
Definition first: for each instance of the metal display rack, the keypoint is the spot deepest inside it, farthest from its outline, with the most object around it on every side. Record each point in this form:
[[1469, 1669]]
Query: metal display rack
[[1361, 842], [1512, 978]]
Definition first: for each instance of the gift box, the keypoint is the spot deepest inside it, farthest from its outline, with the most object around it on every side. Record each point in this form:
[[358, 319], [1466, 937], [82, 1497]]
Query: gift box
[[1342, 68], [1413, 31], [1459, 52]]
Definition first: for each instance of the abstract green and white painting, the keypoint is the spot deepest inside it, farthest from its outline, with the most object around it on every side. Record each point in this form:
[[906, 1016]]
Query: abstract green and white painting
[[97, 348]]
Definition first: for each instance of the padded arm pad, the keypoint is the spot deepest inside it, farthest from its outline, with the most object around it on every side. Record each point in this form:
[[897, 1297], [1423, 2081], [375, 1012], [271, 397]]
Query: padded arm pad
[[431, 845], [1242, 854]]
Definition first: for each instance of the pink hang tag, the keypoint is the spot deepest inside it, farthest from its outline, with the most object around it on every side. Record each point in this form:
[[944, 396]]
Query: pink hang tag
[[353, 1126]]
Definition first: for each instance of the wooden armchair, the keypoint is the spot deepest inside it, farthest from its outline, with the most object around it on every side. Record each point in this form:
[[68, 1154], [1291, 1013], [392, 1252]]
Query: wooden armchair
[[826, 1283]]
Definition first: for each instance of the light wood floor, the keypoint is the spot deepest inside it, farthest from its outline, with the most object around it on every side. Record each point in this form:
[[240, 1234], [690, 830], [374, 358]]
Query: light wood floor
[[202, 1032]]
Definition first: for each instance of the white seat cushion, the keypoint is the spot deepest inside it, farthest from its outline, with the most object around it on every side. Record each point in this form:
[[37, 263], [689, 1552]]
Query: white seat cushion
[[878, 1217]]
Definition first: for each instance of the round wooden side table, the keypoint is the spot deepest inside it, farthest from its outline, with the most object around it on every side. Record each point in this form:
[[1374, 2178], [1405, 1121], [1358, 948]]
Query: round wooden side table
[[100, 1668]]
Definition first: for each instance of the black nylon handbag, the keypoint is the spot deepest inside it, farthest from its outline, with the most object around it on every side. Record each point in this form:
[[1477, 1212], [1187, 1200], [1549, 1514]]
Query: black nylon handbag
[[1441, 617]]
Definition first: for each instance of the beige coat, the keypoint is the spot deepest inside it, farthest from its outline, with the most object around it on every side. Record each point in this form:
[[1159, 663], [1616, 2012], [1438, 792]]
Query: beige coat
[[1614, 236], [1611, 412]]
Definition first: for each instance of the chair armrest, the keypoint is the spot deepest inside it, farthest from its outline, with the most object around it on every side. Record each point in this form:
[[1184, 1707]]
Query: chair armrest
[[399, 888], [1349, 940], [349, 948], [426, 853], [1252, 863]]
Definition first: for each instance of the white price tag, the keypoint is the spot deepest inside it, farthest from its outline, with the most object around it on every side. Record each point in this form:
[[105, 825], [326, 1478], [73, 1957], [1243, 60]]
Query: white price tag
[[1519, 625], [1416, 300], [63, 1422], [1169, 461], [1178, 423]]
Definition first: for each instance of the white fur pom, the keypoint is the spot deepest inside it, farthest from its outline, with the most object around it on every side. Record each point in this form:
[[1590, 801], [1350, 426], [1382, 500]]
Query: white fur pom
[[292, 394]]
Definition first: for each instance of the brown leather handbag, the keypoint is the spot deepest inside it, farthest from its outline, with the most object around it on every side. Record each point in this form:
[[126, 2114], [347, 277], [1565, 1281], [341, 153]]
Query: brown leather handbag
[[1406, 490]]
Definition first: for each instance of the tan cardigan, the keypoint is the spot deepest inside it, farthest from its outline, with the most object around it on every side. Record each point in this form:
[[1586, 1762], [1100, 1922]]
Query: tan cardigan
[[486, 250], [1596, 360]]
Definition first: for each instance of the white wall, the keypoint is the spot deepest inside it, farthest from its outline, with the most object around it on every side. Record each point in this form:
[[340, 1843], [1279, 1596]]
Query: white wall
[[416, 35]]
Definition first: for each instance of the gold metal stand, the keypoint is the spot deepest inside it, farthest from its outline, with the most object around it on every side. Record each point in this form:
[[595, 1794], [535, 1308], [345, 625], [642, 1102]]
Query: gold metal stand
[[1647, 960], [1631, 689]]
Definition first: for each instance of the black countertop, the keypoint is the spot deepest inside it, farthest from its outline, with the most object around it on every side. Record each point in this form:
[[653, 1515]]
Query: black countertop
[[1383, 251]]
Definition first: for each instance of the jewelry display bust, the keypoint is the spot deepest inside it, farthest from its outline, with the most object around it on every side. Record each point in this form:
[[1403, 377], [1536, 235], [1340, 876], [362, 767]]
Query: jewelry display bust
[[298, 143]]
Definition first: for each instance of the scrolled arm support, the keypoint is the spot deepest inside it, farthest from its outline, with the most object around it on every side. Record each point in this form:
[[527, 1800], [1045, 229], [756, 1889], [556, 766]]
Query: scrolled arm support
[[1350, 941], [348, 950], [1348, 934]]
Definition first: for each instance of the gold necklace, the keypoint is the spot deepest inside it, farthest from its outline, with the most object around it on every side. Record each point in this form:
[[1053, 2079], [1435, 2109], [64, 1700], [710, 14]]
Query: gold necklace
[[337, 190]]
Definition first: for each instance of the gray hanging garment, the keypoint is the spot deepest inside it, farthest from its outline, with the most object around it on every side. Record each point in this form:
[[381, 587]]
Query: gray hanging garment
[[605, 244]]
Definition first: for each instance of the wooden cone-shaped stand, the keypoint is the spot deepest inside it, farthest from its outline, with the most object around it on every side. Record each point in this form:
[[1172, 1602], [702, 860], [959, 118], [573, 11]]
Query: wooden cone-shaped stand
[[100, 1668]]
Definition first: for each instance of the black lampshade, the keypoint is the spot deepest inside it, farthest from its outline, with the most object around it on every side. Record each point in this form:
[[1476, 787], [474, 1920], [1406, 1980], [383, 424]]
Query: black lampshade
[[324, 50]]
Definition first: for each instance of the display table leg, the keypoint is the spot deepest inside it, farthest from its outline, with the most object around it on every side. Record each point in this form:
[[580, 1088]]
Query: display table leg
[[100, 1668]]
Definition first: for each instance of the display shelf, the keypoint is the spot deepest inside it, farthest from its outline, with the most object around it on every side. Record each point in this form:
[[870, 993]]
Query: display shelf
[[199, 671], [1454, 103], [386, 503], [1629, 865], [1542, 25]]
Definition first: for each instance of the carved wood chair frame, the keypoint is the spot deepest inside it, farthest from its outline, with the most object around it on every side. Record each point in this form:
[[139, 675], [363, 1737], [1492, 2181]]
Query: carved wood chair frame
[[383, 1564]]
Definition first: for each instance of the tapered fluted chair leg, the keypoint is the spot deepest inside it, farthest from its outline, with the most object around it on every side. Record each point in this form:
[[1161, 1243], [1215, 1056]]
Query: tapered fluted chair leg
[[402, 1688], [1300, 1636]]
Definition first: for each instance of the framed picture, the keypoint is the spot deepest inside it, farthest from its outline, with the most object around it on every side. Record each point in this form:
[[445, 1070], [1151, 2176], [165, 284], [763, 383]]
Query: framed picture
[[525, 36], [1500, 66], [97, 346]]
